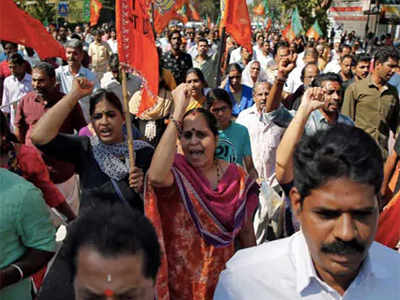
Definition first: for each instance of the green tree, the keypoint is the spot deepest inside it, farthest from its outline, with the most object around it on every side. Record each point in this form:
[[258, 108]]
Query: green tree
[[309, 11], [41, 10]]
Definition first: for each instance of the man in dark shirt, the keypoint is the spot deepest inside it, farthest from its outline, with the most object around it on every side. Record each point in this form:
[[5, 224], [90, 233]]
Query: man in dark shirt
[[373, 103], [347, 62], [33, 106], [175, 60]]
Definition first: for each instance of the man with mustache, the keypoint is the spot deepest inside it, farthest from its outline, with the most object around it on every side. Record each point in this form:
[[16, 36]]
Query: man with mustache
[[337, 175], [65, 74], [372, 103], [30, 109]]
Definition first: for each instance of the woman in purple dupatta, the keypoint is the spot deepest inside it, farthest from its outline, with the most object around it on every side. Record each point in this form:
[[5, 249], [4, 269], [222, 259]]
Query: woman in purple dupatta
[[197, 203]]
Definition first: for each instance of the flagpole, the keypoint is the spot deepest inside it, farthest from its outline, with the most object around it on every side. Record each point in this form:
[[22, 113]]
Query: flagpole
[[220, 55], [128, 121]]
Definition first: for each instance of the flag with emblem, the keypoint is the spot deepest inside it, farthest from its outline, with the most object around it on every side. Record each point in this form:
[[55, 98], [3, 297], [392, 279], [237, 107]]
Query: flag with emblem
[[95, 8]]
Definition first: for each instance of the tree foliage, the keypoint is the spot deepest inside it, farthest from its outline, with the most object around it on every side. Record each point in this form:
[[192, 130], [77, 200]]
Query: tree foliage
[[41, 10]]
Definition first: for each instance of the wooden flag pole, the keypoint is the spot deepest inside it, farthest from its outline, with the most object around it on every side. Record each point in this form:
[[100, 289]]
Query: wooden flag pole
[[128, 121], [221, 52]]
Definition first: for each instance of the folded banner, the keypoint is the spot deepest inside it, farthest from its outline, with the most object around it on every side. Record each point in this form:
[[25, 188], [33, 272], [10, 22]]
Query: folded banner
[[236, 21], [165, 11], [19, 27], [95, 8], [137, 48]]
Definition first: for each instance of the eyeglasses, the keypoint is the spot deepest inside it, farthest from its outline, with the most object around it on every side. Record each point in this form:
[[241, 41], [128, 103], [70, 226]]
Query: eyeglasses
[[219, 109]]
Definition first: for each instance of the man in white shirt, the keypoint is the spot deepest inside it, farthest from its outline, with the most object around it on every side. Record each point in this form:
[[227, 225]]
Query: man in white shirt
[[66, 74], [264, 56], [294, 79], [334, 65], [333, 256], [17, 85]]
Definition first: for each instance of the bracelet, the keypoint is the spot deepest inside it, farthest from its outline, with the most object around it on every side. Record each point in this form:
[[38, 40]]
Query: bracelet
[[21, 273], [178, 125]]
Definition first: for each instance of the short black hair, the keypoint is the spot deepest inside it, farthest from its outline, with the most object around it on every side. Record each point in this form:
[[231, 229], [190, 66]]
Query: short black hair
[[101, 94], [342, 46], [112, 230], [172, 33], [280, 44], [383, 54], [46, 68], [362, 57], [16, 59], [353, 61], [113, 62], [202, 40], [339, 151], [218, 94], [330, 76]]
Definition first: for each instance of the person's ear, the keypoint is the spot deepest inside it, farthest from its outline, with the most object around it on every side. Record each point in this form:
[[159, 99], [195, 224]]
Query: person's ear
[[296, 201]]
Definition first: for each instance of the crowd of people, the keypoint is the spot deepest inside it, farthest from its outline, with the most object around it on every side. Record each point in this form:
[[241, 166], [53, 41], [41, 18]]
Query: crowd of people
[[263, 173]]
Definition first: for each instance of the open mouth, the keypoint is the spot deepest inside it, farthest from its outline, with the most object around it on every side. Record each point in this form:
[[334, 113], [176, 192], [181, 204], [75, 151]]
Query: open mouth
[[196, 153], [106, 132]]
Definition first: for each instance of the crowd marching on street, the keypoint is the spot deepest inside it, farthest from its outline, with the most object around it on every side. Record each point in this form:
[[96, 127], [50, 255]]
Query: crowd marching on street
[[262, 172]]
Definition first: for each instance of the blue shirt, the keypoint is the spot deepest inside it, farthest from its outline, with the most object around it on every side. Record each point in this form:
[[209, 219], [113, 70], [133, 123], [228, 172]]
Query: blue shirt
[[245, 101], [65, 78], [316, 121]]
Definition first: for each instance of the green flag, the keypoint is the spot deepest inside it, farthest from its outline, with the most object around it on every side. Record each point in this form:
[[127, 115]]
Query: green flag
[[86, 11], [317, 28], [266, 7], [296, 23]]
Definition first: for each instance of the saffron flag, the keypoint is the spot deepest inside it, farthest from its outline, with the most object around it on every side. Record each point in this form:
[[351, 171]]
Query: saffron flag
[[95, 7], [19, 27], [388, 232], [288, 33], [268, 23], [314, 32], [137, 48], [194, 15], [237, 22], [165, 11], [296, 23], [259, 10]]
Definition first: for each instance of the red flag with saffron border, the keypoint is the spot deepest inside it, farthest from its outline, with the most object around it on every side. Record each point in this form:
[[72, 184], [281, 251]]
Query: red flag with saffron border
[[165, 11], [237, 22], [19, 27], [137, 48], [95, 7]]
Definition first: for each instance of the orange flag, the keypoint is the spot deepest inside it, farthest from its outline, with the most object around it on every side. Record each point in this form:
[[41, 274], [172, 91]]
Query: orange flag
[[288, 32], [193, 12], [165, 11], [237, 22], [388, 232], [95, 7], [136, 46], [259, 10], [19, 27]]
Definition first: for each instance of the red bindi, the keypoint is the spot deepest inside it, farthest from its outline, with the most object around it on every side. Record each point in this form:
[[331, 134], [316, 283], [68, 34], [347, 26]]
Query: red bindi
[[109, 293]]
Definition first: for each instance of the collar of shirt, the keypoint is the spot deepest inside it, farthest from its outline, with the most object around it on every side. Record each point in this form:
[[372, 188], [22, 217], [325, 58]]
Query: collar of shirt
[[371, 83], [26, 79], [306, 273], [81, 71]]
